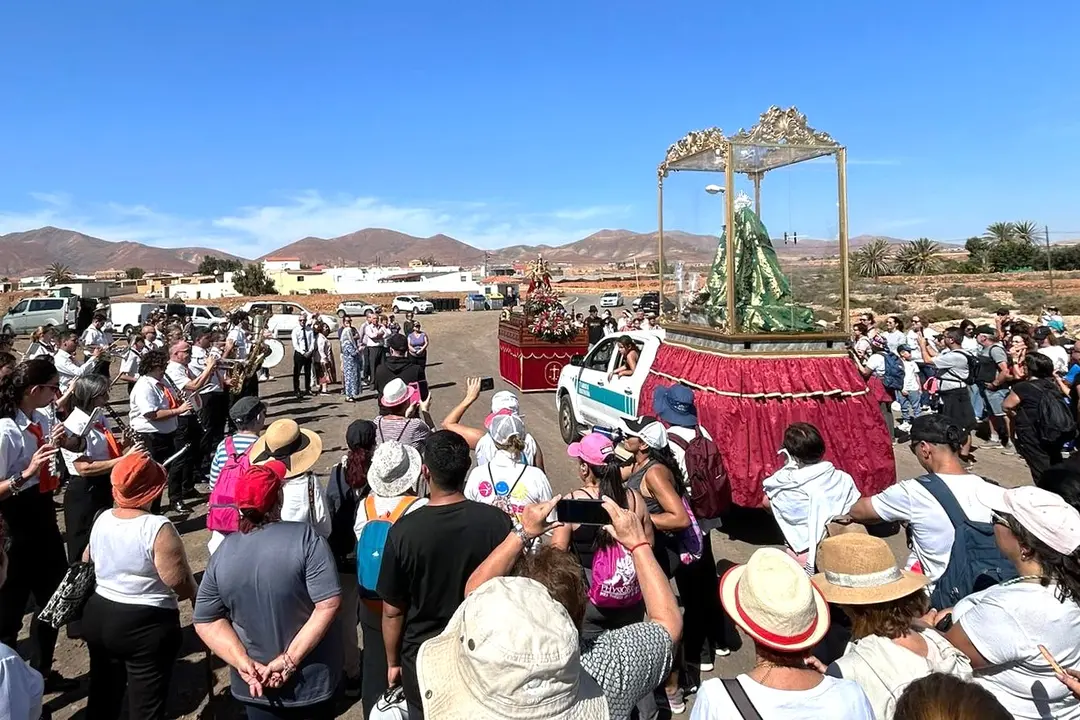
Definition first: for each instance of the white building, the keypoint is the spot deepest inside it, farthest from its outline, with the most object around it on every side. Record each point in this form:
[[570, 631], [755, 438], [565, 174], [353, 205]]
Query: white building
[[280, 264], [397, 280], [211, 290]]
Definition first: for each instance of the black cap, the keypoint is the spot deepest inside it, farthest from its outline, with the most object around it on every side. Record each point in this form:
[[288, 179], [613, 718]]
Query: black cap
[[246, 409], [398, 343], [592, 308], [986, 330], [1041, 333]]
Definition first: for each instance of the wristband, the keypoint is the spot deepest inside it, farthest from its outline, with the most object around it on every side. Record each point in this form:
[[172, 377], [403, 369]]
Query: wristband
[[640, 544]]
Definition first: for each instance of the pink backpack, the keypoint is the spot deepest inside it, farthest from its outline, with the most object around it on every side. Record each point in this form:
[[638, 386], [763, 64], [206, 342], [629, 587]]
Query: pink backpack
[[614, 579], [223, 514]]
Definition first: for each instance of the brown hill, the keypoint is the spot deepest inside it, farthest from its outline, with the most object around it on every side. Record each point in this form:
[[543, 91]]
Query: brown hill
[[376, 245], [620, 246], [32, 251]]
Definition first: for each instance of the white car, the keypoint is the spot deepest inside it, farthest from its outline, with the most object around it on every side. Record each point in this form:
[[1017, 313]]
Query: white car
[[357, 308], [283, 317], [586, 396], [611, 299], [412, 303]]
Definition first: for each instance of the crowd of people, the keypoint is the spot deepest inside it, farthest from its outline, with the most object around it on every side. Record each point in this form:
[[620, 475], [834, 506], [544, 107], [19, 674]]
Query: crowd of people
[[429, 574], [1014, 379]]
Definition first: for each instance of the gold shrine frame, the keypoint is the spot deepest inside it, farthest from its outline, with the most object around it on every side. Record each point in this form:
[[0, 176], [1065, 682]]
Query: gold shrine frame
[[780, 138]]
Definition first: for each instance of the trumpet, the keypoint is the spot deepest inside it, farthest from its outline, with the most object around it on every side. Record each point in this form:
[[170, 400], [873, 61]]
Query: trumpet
[[130, 436]]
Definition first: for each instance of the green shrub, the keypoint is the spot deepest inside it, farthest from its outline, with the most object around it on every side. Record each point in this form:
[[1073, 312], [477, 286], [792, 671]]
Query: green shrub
[[940, 314]]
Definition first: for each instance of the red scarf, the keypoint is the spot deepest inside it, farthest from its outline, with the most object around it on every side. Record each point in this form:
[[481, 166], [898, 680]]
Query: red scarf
[[111, 441], [47, 482], [169, 397]]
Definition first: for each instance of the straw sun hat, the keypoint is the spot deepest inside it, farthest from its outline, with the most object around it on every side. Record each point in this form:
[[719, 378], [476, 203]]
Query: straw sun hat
[[860, 570], [774, 602], [286, 441]]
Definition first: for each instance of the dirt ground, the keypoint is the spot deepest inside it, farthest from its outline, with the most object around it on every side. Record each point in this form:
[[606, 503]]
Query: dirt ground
[[462, 344]]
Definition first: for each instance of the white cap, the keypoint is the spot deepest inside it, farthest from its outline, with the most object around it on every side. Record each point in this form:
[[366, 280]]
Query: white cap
[[1042, 513], [505, 400], [505, 426], [649, 430]]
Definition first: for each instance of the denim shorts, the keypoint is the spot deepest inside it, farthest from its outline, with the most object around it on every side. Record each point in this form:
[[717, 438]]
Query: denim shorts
[[995, 399]]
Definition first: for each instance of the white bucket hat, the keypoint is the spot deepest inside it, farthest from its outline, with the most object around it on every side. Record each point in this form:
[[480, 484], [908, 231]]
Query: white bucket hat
[[509, 651], [394, 470], [397, 392], [774, 602]]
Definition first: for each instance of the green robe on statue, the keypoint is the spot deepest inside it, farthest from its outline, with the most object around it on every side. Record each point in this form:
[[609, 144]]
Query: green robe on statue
[[763, 301]]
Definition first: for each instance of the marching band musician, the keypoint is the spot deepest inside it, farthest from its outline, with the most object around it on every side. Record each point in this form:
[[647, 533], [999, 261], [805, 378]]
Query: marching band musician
[[42, 343], [154, 340], [94, 337], [65, 362], [129, 366], [36, 560], [89, 490], [182, 381], [154, 414], [214, 396], [237, 347]]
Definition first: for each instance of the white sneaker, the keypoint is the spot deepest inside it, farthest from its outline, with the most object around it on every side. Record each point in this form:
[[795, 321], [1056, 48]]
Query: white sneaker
[[706, 667], [721, 652]]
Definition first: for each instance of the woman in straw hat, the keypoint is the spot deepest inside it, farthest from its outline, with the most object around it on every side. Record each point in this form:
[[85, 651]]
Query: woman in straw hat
[[773, 601], [298, 449], [131, 623], [889, 647]]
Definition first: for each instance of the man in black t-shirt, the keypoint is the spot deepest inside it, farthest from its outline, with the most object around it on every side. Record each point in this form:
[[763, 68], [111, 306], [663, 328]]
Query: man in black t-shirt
[[400, 365], [429, 555], [595, 325]]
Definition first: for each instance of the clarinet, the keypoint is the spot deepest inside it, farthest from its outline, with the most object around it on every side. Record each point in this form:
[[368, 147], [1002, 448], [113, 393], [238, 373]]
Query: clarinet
[[130, 436], [54, 461], [187, 397]]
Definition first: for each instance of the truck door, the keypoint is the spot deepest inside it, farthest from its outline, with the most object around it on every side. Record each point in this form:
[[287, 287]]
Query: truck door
[[598, 401]]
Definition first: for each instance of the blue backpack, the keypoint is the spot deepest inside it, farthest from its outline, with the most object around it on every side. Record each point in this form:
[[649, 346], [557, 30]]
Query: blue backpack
[[894, 373], [372, 542], [975, 562]]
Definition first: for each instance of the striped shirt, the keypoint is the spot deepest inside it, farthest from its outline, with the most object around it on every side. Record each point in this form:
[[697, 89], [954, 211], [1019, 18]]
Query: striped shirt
[[407, 431], [241, 443]]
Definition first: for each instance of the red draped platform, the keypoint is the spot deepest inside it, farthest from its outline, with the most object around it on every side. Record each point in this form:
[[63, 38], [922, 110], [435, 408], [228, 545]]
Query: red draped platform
[[746, 403], [529, 363]]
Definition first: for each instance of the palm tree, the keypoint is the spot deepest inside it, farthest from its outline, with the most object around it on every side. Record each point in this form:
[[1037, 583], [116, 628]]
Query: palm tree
[[873, 259], [58, 273], [919, 257], [1000, 232], [1025, 232]]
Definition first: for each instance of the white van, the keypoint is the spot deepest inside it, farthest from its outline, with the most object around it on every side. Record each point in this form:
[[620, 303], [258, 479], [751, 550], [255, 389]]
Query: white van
[[129, 316], [206, 316], [29, 314]]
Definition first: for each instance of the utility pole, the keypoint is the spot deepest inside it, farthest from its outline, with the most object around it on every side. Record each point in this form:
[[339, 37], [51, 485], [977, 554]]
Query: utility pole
[[1049, 263], [486, 256]]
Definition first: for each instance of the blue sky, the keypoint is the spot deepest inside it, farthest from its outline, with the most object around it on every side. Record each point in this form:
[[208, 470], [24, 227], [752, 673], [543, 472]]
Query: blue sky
[[248, 124]]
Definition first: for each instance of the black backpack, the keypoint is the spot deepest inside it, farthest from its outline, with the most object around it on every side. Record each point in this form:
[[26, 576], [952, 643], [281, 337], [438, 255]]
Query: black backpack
[[1055, 424], [975, 562]]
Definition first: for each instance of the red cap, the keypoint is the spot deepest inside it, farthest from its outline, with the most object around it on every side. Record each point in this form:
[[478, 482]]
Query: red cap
[[257, 489]]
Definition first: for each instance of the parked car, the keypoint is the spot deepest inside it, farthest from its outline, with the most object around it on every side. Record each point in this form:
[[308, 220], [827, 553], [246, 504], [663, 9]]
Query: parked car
[[650, 303], [476, 301], [587, 395], [283, 317], [357, 308], [31, 313], [206, 316], [611, 299], [412, 303]]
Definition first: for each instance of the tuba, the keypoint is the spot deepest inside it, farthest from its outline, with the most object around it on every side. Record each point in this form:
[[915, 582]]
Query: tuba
[[246, 369]]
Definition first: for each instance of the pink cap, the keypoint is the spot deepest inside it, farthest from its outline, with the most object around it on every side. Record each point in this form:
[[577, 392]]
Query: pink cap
[[1042, 513], [594, 449], [488, 420]]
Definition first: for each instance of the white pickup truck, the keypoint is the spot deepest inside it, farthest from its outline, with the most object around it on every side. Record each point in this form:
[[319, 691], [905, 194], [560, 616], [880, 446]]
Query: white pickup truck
[[588, 394]]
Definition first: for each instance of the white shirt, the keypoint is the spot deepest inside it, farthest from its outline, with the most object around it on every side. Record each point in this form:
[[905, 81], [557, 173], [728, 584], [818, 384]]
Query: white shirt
[[831, 699], [303, 340], [123, 555], [21, 687], [911, 376], [383, 506], [37, 350], [199, 358], [68, 369], [894, 338], [130, 364], [372, 335], [863, 348], [932, 534], [1059, 355], [686, 434], [181, 376], [876, 364], [505, 481], [295, 506], [486, 449], [1006, 623], [239, 341], [147, 396], [97, 450], [913, 339], [969, 344], [18, 444], [92, 338]]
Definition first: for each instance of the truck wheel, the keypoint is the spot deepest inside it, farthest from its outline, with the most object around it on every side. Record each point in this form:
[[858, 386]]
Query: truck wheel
[[127, 329], [8, 330], [568, 424]]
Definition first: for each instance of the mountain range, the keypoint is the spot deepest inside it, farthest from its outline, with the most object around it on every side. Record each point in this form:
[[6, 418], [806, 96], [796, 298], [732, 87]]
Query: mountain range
[[31, 252]]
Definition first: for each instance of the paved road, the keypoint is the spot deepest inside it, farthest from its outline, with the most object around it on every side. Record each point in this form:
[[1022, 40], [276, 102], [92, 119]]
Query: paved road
[[462, 344]]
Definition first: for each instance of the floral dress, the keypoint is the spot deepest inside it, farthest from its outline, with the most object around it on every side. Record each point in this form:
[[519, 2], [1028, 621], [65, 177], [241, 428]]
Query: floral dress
[[350, 360]]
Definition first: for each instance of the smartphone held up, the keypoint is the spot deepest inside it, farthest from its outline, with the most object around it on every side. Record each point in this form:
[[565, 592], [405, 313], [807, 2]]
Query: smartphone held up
[[582, 512]]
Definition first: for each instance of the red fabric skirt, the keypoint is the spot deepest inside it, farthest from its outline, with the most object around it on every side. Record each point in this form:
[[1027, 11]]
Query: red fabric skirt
[[746, 404]]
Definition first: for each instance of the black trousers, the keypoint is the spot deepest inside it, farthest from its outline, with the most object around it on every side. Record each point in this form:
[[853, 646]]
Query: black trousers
[[301, 365], [133, 648], [84, 498], [185, 468], [161, 446], [36, 565], [374, 357], [373, 662], [215, 414], [1038, 456]]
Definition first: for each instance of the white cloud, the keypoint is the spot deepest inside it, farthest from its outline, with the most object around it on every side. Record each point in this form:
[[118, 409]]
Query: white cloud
[[254, 230]]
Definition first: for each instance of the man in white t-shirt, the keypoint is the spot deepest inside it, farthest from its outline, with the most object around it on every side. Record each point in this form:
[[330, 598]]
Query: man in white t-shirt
[[183, 381], [1044, 338], [505, 481], [936, 444]]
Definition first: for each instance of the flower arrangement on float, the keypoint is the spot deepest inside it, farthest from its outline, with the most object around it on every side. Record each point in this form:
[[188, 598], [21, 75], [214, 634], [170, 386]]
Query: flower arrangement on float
[[546, 316]]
